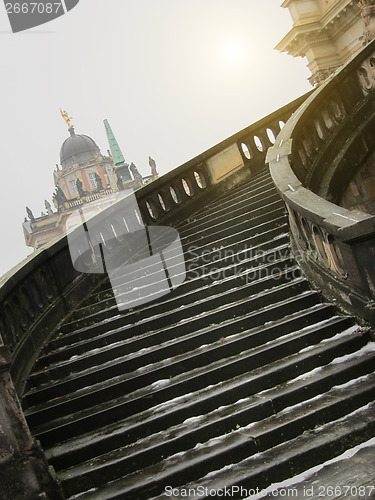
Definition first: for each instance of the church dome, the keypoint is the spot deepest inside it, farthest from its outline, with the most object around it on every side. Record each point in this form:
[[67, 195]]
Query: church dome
[[77, 148]]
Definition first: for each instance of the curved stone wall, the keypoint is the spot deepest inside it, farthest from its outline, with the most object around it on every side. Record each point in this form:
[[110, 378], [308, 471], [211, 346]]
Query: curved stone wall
[[316, 157]]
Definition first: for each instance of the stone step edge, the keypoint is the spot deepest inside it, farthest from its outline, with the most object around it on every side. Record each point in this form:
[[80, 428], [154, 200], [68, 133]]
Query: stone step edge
[[160, 367], [243, 189], [199, 244], [359, 425], [257, 266], [244, 204], [80, 314], [296, 388], [58, 425], [298, 286], [236, 222], [333, 401], [286, 277], [317, 309]]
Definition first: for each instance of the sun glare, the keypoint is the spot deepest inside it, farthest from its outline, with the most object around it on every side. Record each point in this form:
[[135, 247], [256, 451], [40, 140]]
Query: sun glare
[[233, 52]]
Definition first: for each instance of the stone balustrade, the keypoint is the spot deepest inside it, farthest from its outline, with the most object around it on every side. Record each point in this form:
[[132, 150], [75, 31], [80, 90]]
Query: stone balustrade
[[88, 198], [319, 151], [190, 186]]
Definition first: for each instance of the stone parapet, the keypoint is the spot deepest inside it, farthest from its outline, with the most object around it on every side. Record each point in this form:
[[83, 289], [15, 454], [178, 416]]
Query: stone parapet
[[315, 157]]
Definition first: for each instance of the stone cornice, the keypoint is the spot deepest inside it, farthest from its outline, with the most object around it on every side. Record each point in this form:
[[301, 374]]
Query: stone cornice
[[327, 23]]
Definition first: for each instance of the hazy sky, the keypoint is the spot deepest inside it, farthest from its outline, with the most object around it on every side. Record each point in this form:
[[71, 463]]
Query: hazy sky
[[173, 77]]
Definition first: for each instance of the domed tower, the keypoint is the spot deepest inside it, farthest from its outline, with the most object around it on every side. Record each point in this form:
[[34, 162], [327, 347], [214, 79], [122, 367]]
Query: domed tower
[[84, 177], [84, 170], [77, 148]]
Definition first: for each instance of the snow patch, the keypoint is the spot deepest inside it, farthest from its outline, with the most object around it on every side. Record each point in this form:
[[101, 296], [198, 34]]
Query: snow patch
[[288, 409], [193, 420], [306, 375], [352, 382], [171, 402], [370, 347], [160, 383], [214, 473], [309, 473], [79, 495]]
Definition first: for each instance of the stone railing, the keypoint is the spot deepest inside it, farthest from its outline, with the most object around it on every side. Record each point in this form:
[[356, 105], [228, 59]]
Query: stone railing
[[314, 159], [87, 198], [178, 193]]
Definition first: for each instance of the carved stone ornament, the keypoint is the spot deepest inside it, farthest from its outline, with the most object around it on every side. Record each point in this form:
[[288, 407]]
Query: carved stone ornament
[[368, 14]]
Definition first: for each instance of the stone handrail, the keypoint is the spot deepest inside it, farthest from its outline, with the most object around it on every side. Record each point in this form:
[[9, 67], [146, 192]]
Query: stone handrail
[[314, 157]]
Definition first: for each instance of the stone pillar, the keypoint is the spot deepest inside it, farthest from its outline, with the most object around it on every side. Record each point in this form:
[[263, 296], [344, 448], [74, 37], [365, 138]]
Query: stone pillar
[[24, 472], [368, 14]]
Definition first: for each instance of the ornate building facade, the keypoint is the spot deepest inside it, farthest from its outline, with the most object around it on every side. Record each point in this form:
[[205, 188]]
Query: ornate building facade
[[328, 32], [85, 177]]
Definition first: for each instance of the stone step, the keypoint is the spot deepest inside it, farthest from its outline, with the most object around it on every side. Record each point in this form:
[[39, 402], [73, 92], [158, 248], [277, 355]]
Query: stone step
[[241, 227], [226, 276], [197, 261], [286, 460], [170, 326], [206, 304], [304, 310], [249, 202], [224, 411], [234, 225], [279, 325], [265, 434], [106, 292], [251, 269], [170, 359], [264, 236], [253, 186], [260, 243], [322, 411], [240, 370], [240, 206], [66, 427], [268, 252]]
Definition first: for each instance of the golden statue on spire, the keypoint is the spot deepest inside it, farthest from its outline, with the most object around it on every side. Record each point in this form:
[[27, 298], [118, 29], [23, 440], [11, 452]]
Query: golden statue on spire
[[66, 117]]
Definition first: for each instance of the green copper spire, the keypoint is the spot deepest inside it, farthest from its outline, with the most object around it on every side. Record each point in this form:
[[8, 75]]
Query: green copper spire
[[118, 157], [121, 167]]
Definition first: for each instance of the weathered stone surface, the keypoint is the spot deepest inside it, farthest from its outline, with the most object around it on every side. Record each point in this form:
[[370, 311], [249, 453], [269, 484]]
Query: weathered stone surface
[[24, 472], [330, 159]]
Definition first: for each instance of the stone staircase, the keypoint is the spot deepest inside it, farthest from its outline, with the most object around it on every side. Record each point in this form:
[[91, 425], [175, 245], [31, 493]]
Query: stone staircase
[[241, 377]]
